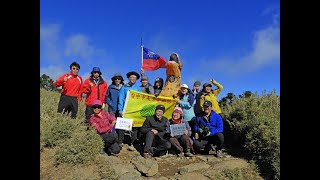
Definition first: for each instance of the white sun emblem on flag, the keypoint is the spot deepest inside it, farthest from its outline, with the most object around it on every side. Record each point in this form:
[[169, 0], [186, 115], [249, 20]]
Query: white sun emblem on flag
[[150, 53]]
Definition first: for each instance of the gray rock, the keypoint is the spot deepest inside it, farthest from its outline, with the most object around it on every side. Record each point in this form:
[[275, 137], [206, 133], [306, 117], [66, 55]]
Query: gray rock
[[203, 158], [122, 169], [193, 167], [130, 176], [192, 176], [148, 167], [113, 160]]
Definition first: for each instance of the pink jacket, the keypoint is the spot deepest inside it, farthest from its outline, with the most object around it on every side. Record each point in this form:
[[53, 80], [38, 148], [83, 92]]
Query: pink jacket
[[102, 125]]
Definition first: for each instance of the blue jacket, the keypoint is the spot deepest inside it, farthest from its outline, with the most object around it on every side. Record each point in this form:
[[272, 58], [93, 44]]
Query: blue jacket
[[112, 98], [123, 93], [215, 123], [186, 103]]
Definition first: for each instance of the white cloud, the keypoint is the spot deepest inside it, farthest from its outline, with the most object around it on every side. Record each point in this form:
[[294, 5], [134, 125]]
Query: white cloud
[[265, 52], [76, 47], [80, 46], [49, 36], [53, 71]]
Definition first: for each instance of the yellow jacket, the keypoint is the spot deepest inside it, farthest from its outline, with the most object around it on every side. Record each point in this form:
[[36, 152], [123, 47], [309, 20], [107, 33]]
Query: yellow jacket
[[212, 97]]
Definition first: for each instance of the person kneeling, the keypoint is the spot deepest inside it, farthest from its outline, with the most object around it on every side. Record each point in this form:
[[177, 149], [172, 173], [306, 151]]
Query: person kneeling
[[153, 131], [104, 123]]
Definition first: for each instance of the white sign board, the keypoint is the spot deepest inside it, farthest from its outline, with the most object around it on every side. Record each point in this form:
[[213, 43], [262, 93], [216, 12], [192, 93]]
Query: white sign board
[[124, 124], [177, 129]]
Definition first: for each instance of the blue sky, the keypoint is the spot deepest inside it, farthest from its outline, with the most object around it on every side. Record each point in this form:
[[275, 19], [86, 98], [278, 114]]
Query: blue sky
[[235, 42]]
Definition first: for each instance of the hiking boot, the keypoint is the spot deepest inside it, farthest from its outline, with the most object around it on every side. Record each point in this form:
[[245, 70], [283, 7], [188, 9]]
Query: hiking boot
[[188, 153], [103, 152], [219, 154], [131, 148], [181, 154], [147, 155], [115, 154]]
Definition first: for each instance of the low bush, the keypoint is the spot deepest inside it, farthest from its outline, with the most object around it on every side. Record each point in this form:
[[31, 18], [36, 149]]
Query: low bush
[[254, 124]]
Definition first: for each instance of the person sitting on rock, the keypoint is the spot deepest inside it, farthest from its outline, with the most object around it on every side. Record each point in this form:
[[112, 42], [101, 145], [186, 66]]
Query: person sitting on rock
[[153, 132], [180, 143]]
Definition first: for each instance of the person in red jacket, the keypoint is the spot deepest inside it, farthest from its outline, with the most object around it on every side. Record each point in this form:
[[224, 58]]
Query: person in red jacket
[[104, 123], [95, 88], [70, 92]]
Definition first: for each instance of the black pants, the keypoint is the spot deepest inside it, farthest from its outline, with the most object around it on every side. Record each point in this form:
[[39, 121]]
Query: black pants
[[217, 139], [155, 141], [68, 104], [192, 122], [135, 133], [110, 142], [88, 113]]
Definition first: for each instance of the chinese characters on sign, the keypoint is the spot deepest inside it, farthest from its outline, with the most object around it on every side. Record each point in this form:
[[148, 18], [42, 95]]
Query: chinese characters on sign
[[124, 124], [177, 129]]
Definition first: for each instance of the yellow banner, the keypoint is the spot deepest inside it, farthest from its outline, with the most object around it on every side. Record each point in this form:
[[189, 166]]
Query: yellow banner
[[139, 106]]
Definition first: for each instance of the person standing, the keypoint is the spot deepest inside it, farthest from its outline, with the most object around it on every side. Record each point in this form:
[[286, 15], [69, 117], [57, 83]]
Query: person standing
[[146, 87], [196, 93], [95, 88], [158, 85], [208, 94], [112, 96], [133, 77], [71, 94]]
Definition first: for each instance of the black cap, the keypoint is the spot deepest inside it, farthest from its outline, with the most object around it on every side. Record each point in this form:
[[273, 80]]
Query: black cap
[[206, 84], [133, 73], [160, 107], [207, 103]]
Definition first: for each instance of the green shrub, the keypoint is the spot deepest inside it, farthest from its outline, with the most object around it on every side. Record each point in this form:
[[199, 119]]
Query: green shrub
[[81, 148], [255, 124], [56, 130], [104, 169]]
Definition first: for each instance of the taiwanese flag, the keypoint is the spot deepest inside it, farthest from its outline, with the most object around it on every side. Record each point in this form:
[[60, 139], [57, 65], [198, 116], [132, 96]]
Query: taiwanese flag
[[152, 61]]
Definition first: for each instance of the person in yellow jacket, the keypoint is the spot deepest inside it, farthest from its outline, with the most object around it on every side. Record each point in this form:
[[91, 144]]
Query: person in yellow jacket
[[208, 94]]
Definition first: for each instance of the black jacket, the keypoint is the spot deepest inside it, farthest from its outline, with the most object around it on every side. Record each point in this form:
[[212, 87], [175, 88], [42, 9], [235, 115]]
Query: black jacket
[[152, 122]]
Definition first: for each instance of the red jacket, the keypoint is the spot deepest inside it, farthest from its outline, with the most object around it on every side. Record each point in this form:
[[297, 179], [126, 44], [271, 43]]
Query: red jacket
[[96, 91], [103, 123], [71, 87]]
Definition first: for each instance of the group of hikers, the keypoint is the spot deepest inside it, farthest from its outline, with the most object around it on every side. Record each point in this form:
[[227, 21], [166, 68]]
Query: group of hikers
[[197, 109]]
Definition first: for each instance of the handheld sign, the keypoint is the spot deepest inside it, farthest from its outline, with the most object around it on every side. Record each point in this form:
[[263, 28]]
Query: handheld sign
[[177, 129], [124, 124]]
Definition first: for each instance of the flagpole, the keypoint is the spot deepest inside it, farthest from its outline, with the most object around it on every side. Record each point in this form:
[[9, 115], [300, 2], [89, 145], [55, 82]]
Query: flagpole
[[141, 53]]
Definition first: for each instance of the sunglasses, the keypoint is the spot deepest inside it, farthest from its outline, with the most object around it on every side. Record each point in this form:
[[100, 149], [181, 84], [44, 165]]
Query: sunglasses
[[75, 69], [117, 79], [96, 72], [96, 106]]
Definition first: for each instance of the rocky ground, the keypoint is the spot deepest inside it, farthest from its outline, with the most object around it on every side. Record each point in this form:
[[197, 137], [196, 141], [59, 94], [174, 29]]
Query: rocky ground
[[131, 165]]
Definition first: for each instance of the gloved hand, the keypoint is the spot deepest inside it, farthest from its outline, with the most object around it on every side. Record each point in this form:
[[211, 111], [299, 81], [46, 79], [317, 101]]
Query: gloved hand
[[103, 105], [205, 131], [196, 136]]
